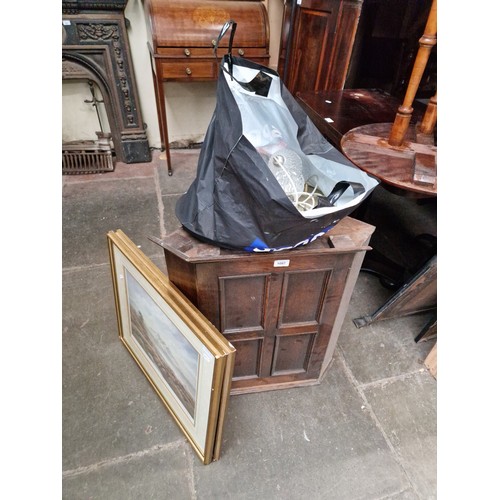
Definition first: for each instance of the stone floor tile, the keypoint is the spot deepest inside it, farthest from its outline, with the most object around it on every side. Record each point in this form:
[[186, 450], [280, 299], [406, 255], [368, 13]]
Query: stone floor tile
[[109, 407], [385, 348], [312, 442], [184, 164], [160, 473], [92, 209], [406, 410]]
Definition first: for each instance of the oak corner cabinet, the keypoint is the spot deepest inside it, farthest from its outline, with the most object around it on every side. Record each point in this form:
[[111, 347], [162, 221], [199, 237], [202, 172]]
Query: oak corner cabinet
[[282, 311]]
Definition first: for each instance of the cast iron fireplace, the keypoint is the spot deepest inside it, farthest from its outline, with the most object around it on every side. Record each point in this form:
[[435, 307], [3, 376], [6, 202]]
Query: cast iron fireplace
[[96, 48]]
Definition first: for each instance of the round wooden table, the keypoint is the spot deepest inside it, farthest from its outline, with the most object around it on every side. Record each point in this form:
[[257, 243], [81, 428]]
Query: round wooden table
[[407, 170]]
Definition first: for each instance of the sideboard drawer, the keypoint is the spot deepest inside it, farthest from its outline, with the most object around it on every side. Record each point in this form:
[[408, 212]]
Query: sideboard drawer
[[189, 69], [187, 53]]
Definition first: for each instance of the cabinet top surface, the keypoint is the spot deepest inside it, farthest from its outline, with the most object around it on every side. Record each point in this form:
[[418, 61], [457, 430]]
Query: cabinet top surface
[[349, 235]]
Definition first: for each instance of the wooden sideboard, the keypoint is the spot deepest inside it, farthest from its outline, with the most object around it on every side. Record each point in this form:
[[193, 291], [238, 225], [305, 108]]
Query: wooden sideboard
[[282, 311], [181, 39]]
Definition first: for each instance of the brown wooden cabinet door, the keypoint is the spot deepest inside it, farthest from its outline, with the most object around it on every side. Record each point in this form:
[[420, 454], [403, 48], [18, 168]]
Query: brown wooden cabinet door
[[279, 320], [316, 43], [314, 28], [299, 320], [248, 305]]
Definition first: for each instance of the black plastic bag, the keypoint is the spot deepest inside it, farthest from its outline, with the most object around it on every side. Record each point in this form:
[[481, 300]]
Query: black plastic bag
[[267, 180]]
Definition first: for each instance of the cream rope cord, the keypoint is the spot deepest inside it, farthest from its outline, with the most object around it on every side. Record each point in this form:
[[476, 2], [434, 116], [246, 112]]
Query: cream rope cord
[[301, 204]]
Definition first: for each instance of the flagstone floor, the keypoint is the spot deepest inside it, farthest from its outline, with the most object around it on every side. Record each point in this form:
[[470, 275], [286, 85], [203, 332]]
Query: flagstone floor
[[367, 432]]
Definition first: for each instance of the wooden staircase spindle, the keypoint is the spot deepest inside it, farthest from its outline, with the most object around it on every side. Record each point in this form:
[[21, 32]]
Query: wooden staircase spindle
[[426, 42]]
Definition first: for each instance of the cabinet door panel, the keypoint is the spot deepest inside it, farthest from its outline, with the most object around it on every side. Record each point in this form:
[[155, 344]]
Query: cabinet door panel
[[292, 353], [325, 5], [243, 302], [316, 43], [248, 357], [248, 312], [309, 53], [302, 297]]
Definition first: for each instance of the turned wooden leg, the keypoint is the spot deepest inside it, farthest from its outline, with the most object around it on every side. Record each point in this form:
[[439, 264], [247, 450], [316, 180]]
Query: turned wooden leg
[[430, 117], [403, 116]]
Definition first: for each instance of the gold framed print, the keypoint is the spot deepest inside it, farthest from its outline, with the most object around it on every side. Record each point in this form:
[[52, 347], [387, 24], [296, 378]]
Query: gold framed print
[[186, 359]]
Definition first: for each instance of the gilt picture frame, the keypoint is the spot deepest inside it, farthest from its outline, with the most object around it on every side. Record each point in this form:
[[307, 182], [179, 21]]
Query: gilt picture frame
[[186, 359]]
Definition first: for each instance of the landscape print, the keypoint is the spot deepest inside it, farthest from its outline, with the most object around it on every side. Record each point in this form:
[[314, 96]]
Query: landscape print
[[166, 346]]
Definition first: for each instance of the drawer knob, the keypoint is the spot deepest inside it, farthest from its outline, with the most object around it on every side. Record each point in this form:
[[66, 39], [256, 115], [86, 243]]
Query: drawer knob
[[241, 52], [214, 43], [187, 52], [188, 71]]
